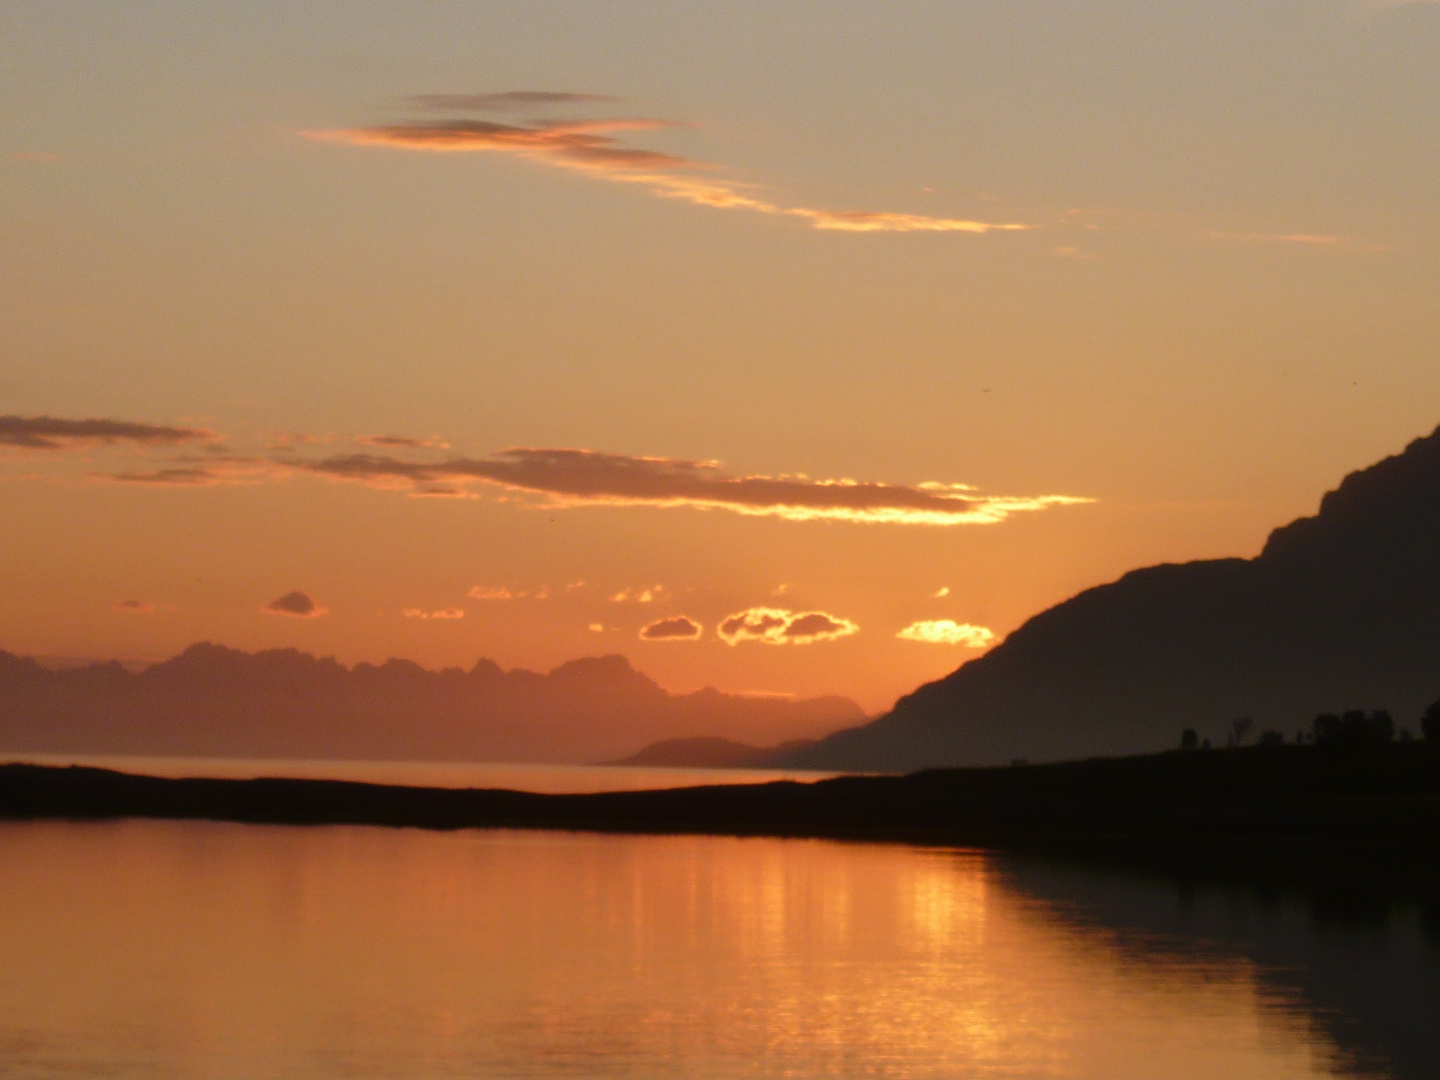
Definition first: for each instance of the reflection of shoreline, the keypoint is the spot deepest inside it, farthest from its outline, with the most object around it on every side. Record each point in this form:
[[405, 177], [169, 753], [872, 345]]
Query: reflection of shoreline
[[1363, 971], [1283, 813]]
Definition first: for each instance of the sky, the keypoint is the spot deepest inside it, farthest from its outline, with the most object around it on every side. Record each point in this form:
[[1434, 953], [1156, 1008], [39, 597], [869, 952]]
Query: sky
[[803, 348]]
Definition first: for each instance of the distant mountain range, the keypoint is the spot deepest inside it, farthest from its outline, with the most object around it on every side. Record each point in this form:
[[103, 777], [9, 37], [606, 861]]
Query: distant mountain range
[[212, 701], [1340, 610]]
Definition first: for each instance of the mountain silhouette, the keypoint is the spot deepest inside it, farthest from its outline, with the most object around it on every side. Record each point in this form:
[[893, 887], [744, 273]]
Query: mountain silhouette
[[212, 701], [1340, 610]]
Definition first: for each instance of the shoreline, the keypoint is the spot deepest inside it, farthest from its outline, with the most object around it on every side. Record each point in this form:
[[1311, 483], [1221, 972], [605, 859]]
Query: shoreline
[[1279, 813]]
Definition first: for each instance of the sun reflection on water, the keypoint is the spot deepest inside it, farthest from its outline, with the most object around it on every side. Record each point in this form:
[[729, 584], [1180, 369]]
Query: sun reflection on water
[[191, 949]]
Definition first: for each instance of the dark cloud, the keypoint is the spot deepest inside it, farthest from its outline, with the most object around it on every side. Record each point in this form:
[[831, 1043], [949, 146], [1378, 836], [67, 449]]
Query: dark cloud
[[587, 477], [402, 442], [509, 101], [676, 628], [777, 626], [818, 626], [139, 607], [297, 605], [53, 433], [185, 476]]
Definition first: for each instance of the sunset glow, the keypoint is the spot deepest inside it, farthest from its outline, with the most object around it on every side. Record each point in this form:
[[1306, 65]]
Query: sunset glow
[[433, 328]]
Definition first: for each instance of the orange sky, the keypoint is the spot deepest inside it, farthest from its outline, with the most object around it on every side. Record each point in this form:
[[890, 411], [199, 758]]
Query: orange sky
[[554, 323]]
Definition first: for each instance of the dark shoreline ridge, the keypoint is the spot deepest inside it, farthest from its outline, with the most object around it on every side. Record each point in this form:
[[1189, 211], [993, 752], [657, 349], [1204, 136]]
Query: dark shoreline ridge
[[1285, 811]]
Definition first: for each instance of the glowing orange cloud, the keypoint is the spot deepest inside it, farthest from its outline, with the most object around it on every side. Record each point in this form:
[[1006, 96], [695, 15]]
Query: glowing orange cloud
[[591, 146], [443, 613], [948, 632], [777, 626], [567, 478], [493, 592], [640, 595]]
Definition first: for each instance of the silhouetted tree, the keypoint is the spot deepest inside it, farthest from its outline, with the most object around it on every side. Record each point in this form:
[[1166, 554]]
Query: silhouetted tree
[[1239, 728], [1354, 729], [1272, 738], [1430, 723], [1189, 739]]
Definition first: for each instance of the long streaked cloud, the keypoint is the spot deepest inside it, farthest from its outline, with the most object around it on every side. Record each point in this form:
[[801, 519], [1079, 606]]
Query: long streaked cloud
[[53, 433], [557, 477], [675, 628], [948, 632], [193, 471], [779, 626], [507, 101], [594, 147], [570, 477], [403, 442]]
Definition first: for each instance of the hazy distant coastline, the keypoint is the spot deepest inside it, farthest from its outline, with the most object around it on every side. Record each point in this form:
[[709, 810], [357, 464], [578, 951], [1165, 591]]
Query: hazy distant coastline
[[212, 701]]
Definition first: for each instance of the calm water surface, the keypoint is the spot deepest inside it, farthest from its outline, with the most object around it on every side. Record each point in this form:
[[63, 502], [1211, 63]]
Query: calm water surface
[[198, 950]]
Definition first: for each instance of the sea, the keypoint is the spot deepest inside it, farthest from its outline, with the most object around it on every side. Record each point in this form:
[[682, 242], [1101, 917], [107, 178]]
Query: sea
[[197, 950]]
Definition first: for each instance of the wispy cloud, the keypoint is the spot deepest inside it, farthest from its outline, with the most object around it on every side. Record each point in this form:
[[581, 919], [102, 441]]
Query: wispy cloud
[[508, 101], [493, 592], [777, 626], [135, 607], [569, 477], [444, 613], [1311, 239], [403, 442], [297, 605], [594, 147], [948, 632], [193, 471], [675, 628], [53, 433]]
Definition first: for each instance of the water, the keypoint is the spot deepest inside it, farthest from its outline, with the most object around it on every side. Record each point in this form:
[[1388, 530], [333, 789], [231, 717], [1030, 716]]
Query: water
[[551, 779], [208, 950]]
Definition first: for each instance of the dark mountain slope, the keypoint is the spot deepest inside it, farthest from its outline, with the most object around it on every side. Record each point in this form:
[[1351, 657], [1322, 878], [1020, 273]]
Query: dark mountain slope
[[214, 701], [1340, 610]]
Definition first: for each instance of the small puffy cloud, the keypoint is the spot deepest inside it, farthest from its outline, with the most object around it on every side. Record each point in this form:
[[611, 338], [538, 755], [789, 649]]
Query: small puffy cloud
[[943, 591], [136, 607], [675, 628], [777, 626], [948, 632], [817, 626], [443, 613], [53, 433], [297, 605], [640, 595], [492, 592], [597, 628]]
